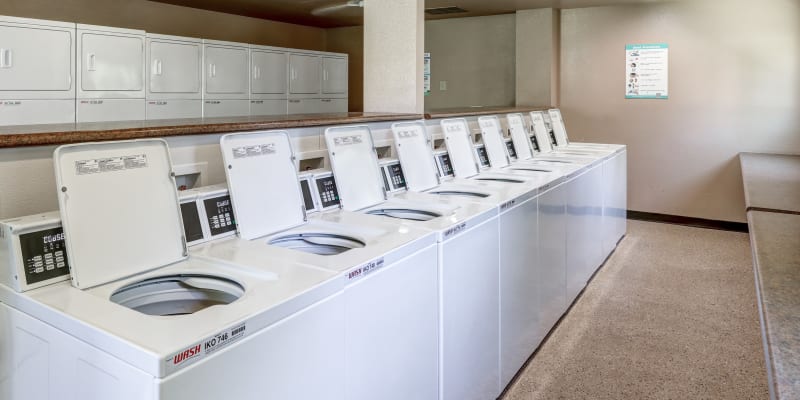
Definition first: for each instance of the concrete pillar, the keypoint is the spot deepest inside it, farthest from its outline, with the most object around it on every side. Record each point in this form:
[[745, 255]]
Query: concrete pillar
[[394, 41], [538, 54]]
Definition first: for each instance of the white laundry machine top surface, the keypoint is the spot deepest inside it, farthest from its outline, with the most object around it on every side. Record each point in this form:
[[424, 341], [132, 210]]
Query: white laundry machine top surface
[[146, 303]]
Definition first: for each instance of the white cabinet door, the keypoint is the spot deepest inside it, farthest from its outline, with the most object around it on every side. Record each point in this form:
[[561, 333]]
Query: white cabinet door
[[35, 59], [268, 72], [226, 70], [111, 62], [304, 74], [175, 67], [334, 75]]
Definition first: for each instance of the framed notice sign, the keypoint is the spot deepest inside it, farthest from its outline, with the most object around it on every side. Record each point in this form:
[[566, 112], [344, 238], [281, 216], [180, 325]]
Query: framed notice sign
[[426, 73], [647, 71]]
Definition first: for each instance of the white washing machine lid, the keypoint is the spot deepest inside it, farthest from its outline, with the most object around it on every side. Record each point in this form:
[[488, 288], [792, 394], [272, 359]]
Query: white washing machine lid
[[492, 134], [558, 127], [459, 146], [355, 166], [119, 209], [262, 181], [415, 153], [519, 135], [540, 130]]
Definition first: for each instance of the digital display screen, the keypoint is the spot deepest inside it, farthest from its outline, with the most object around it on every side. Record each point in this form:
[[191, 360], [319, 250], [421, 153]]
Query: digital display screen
[[192, 226], [483, 157], [220, 214], [512, 152], [328, 193], [305, 188], [44, 254], [446, 165], [396, 175], [535, 143]]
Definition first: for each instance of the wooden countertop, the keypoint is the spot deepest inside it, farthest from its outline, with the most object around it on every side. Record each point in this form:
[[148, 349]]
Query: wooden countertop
[[52, 134], [472, 111], [775, 238], [771, 182]]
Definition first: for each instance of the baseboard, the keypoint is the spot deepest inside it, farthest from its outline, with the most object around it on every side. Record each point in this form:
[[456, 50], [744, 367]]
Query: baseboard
[[689, 221]]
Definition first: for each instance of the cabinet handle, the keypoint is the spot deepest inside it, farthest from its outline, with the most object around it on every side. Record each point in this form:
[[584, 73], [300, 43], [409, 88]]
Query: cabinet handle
[[325, 75], [156, 67], [159, 67], [256, 72], [6, 58], [212, 70], [293, 74], [90, 58]]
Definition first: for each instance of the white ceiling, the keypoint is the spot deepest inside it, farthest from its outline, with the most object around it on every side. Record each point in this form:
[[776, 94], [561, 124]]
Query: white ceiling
[[299, 11]]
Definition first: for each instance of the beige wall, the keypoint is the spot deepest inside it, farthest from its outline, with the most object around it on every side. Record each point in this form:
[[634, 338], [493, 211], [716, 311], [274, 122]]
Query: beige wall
[[537, 56], [476, 57], [169, 20], [734, 86], [350, 40]]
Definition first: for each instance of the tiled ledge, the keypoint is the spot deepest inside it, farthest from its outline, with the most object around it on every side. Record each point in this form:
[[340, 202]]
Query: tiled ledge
[[53, 134]]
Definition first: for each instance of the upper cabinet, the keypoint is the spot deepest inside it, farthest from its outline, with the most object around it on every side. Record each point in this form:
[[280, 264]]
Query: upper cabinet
[[334, 75], [111, 62], [304, 74], [36, 56], [268, 72], [227, 69]]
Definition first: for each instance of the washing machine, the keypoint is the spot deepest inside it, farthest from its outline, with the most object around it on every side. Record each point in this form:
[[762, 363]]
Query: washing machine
[[468, 250], [142, 320], [390, 271], [562, 140]]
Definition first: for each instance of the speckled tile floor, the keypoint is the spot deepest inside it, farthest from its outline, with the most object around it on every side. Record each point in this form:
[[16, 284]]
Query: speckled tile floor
[[671, 315]]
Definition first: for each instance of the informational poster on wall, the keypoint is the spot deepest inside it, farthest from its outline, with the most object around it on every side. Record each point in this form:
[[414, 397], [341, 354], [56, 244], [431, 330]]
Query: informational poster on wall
[[647, 71], [426, 73]]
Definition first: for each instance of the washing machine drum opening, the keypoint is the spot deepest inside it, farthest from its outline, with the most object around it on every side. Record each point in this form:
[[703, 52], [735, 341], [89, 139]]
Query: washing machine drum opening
[[405, 213], [177, 294], [531, 169], [459, 193], [505, 180], [325, 244]]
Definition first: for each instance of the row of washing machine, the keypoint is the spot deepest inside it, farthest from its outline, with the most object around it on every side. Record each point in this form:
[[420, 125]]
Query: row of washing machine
[[322, 285]]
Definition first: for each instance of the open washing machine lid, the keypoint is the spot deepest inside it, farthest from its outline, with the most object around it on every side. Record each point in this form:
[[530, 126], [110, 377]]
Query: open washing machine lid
[[459, 146], [540, 130], [493, 141], [262, 181], [416, 155], [559, 129], [519, 135], [355, 166], [119, 209]]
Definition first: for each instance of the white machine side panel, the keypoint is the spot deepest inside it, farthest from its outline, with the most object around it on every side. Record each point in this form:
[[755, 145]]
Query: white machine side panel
[[551, 267], [119, 209], [519, 135], [492, 134], [520, 328], [333, 105], [174, 108], [24, 112], [392, 331], [470, 295], [268, 72], [304, 74], [111, 63], [263, 182], [559, 129], [268, 107], [226, 108], [101, 110], [334, 75], [355, 166], [304, 106], [39, 362], [300, 357], [541, 132], [459, 146], [175, 67], [415, 153], [226, 71], [36, 59]]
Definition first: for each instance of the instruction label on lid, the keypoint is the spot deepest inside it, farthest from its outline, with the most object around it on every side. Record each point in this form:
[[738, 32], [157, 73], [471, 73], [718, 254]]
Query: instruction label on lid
[[347, 140], [254, 150], [110, 164], [407, 133]]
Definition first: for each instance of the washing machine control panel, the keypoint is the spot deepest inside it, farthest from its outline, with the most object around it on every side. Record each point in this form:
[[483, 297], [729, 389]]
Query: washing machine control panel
[[219, 215], [393, 178], [512, 152], [444, 164], [328, 193], [535, 143], [33, 252], [483, 157]]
